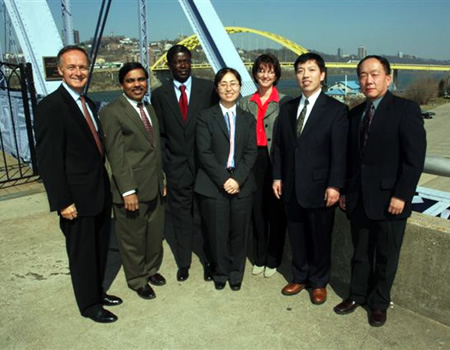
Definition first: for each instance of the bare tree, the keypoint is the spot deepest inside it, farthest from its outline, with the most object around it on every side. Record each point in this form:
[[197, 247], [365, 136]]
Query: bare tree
[[422, 90]]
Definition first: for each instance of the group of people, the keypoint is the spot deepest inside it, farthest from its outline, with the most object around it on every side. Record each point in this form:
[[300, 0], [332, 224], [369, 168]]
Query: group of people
[[207, 170]]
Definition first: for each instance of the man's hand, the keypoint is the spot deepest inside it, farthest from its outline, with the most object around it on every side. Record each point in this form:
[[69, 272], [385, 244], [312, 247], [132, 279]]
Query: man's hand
[[277, 188], [231, 186], [131, 202], [331, 196], [396, 206], [342, 204], [69, 212], [164, 191]]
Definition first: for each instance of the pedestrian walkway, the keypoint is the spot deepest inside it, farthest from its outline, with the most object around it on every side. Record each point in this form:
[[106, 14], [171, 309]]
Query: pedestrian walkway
[[38, 310]]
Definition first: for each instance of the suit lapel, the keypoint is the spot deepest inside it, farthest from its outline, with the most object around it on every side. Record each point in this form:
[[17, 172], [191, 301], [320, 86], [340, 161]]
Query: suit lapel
[[78, 116], [293, 116], [134, 117], [220, 119], [171, 97], [314, 117]]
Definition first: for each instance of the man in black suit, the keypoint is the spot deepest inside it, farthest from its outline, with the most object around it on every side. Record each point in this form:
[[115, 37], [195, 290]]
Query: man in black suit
[[177, 103], [309, 171], [70, 155], [386, 153]]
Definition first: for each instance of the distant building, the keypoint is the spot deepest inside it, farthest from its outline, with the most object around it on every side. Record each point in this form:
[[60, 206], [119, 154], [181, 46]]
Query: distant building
[[341, 89], [362, 52], [76, 36], [400, 54], [340, 53]]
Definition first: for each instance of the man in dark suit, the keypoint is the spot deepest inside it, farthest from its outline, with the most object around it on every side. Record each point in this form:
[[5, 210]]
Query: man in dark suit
[[386, 153], [132, 144], [70, 155], [177, 103], [309, 171]]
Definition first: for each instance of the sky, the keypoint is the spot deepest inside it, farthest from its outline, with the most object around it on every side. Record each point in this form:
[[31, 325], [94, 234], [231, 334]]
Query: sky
[[415, 27]]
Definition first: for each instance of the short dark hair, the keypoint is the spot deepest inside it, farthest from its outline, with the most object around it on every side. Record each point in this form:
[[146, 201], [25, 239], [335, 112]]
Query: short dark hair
[[311, 56], [129, 66], [176, 49], [269, 60], [383, 60], [221, 73], [70, 48]]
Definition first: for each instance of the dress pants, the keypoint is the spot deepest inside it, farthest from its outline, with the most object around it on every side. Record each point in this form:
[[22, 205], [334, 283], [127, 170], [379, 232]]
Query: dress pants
[[227, 220], [310, 236], [375, 259], [87, 239], [268, 215], [140, 236], [179, 228]]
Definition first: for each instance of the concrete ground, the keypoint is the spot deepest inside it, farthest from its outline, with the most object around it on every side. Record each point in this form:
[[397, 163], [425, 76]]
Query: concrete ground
[[38, 310]]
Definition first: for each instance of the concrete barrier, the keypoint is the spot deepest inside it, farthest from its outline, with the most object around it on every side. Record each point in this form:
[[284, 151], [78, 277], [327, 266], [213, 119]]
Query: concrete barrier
[[422, 283]]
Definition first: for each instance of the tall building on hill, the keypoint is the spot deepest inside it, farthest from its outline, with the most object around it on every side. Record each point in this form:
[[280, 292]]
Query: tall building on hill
[[362, 52]]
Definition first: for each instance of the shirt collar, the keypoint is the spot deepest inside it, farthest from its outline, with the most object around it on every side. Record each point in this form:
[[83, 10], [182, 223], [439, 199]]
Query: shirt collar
[[226, 110], [75, 95], [187, 83], [311, 99], [274, 96], [134, 103], [376, 103]]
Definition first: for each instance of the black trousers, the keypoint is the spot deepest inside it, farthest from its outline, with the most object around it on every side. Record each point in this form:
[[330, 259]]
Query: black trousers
[[227, 219], [268, 215], [87, 241], [310, 236], [183, 227], [375, 259]]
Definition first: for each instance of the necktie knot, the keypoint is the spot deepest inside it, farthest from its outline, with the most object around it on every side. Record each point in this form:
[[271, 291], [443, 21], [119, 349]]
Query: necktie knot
[[182, 88]]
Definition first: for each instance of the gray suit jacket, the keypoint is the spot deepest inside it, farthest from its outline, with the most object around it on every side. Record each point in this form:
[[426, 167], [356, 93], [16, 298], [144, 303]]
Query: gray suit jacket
[[270, 118], [135, 161]]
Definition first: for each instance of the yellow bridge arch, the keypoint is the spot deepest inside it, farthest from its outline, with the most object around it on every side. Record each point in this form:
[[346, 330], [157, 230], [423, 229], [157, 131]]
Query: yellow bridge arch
[[192, 42]]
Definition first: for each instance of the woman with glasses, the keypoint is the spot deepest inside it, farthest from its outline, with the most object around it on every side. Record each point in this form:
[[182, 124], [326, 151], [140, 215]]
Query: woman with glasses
[[268, 216], [226, 149]]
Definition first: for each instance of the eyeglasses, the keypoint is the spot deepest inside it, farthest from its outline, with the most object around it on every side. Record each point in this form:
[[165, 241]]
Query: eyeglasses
[[234, 85]]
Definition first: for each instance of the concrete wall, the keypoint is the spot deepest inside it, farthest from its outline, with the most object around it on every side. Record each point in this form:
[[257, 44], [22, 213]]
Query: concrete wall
[[422, 283]]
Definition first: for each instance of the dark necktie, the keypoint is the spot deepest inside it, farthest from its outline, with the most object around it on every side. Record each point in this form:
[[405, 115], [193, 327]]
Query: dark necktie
[[183, 102], [365, 126], [301, 118], [90, 123], [145, 121]]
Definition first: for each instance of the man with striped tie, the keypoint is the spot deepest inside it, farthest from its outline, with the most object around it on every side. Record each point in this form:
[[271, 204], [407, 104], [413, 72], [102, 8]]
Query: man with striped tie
[[134, 153]]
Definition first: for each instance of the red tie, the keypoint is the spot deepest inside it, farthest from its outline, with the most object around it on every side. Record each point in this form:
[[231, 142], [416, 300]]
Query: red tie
[[89, 121], [183, 102], [145, 121]]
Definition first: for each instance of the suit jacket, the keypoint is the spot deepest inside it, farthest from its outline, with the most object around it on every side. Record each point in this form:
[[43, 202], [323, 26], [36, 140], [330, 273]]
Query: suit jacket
[[393, 157], [270, 118], [177, 136], [135, 161], [69, 161], [308, 165], [213, 146]]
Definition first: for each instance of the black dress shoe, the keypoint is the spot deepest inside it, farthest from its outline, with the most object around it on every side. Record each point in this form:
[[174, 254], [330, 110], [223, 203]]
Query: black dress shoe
[[103, 316], [236, 286], [207, 273], [377, 317], [146, 292], [346, 307], [219, 285], [183, 274], [111, 300], [157, 280]]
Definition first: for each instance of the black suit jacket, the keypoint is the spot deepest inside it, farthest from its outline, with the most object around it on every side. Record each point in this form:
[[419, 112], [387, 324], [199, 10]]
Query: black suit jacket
[[393, 157], [177, 136], [213, 146], [68, 158], [310, 164]]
